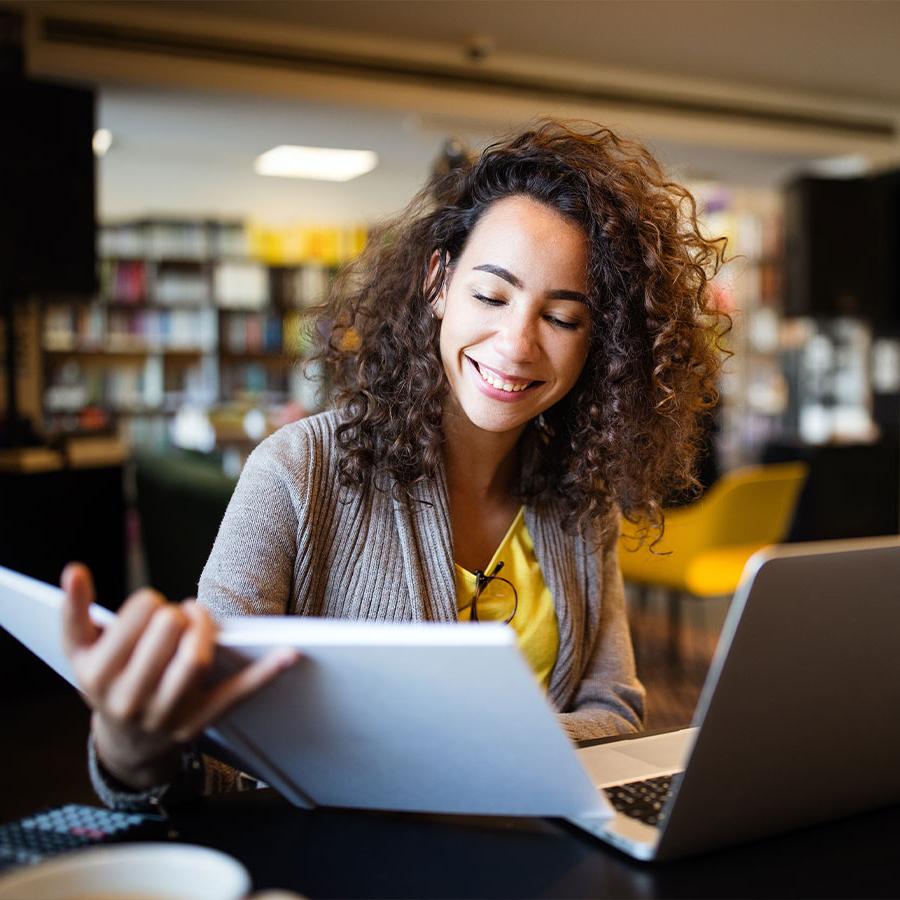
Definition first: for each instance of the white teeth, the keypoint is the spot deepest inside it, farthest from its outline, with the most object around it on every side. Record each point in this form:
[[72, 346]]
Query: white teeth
[[494, 381]]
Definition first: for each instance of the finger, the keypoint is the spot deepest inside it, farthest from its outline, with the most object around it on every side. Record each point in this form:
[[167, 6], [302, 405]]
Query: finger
[[200, 617], [183, 677], [112, 650], [77, 628], [129, 693], [236, 688]]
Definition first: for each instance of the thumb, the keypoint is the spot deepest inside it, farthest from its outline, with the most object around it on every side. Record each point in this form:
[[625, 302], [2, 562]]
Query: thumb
[[77, 627]]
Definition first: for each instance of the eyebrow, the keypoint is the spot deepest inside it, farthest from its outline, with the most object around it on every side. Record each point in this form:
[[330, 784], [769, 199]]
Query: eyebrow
[[516, 282]]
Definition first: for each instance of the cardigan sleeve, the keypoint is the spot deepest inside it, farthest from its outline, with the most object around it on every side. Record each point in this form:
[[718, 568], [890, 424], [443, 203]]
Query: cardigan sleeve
[[249, 572], [250, 568], [609, 698]]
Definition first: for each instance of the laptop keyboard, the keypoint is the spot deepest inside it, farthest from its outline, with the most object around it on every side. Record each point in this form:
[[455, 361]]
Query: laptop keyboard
[[642, 800]]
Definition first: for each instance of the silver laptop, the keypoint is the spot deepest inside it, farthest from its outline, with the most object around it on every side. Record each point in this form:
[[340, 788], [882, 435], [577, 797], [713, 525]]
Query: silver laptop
[[799, 719]]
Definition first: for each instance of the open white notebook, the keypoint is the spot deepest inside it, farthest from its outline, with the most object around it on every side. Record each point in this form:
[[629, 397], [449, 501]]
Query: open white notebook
[[419, 717]]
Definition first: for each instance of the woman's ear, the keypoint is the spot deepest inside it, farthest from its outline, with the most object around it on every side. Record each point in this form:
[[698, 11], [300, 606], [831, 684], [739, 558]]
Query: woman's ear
[[437, 304]]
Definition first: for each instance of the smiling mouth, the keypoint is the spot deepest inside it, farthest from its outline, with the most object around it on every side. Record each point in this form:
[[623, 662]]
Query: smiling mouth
[[500, 382]]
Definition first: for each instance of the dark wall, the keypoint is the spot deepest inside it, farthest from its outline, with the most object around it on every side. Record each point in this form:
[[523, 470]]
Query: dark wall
[[843, 249], [852, 490], [47, 189], [885, 234], [48, 519]]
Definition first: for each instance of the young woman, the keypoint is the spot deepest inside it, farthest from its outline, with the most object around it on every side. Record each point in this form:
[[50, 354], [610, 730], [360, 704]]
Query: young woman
[[519, 358]]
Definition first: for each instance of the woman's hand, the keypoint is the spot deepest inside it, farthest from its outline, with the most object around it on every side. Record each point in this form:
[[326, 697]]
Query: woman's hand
[[143, 675]]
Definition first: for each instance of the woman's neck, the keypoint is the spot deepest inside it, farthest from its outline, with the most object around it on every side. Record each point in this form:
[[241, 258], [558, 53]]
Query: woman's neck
[[480, 464]]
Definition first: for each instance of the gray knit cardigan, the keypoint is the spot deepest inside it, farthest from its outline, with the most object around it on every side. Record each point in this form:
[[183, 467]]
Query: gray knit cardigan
[[294, 542]]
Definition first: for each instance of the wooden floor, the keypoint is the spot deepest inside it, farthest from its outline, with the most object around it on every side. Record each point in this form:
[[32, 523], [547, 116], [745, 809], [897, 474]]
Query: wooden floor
[[44, 734], [673, 680]]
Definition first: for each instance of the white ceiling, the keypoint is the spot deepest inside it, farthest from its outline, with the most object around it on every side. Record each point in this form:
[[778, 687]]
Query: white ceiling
[[847, 48], [179, 153], [184, 153], [191, 153]]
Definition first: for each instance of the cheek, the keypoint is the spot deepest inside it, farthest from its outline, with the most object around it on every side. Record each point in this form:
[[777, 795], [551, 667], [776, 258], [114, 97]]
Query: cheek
[[456, 334], [575, 360], [447, 346]]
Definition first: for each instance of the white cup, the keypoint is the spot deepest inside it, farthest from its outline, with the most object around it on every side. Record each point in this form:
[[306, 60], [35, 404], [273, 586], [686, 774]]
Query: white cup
[[131, 872]]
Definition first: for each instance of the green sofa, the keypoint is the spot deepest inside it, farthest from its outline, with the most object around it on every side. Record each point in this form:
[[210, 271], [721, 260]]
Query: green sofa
[[181, 498]]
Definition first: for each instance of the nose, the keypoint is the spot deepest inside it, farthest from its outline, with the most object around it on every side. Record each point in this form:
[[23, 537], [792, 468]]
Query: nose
[[517, 340]]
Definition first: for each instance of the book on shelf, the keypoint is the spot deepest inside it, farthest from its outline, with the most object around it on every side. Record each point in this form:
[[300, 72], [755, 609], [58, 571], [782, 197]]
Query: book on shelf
[[139, 384], [174, 239], [26, 347], [122, 387], [177, 286], [70, 327], [235, 334], [177, 240], [293, 245], [229, 239], [254, 329], [122, 240], [65, 397], [158, 330], [184, 329], [241, 285], [253, 333], [59, 328], [123, 281], [126, 330], [312, 285], [300, 287], [272, 334]]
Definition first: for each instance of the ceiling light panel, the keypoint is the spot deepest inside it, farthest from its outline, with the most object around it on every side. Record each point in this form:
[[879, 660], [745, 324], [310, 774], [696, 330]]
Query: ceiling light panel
[[319, 163]]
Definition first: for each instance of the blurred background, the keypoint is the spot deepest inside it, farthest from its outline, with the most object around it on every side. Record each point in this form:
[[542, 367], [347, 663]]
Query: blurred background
[[156, 255]]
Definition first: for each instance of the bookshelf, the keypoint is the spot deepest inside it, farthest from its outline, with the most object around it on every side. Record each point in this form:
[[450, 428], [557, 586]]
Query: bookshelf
[[206, 315], [754, 392]]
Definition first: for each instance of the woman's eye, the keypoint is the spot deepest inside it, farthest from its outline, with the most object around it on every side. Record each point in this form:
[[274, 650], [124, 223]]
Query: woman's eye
[[562, 323], [490, 301], [553, 320]]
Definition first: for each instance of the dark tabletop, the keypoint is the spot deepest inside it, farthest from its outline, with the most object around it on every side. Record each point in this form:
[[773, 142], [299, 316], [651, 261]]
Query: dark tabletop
[[342, 853]]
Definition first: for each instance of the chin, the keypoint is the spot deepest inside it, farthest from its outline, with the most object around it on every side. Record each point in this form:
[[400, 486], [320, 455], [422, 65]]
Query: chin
[[496, 424]]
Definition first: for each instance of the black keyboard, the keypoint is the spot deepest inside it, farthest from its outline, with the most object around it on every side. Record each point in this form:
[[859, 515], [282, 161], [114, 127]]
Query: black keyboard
[[642, 800], [53, 831]]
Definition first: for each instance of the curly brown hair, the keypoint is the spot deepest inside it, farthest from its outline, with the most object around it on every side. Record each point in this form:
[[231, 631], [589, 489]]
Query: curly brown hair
[[629, 431]]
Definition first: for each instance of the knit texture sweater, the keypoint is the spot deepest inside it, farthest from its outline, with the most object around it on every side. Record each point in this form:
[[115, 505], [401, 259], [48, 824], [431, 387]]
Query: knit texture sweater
[[293, 541]]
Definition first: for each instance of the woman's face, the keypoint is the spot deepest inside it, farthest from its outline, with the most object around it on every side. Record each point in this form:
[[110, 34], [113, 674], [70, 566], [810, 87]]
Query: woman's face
[[515, 324]]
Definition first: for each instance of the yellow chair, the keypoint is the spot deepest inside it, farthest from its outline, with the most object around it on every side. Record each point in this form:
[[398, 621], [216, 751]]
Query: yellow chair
[[707, 543]]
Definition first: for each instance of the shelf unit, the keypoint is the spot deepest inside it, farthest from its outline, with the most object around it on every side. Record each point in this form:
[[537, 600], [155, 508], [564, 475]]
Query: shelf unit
[[751, 289], [202, 314], [208, 314]]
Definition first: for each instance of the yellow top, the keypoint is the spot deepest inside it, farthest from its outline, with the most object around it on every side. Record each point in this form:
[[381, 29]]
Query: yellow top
[[535, 621]]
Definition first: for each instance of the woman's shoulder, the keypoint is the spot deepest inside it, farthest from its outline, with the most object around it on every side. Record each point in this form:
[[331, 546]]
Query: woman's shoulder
[[301, 446]]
